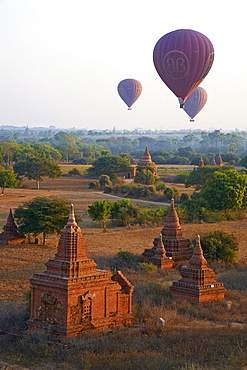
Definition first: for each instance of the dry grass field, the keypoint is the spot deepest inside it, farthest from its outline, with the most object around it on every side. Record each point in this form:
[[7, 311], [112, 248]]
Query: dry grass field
[[19, 263], [206, 338]]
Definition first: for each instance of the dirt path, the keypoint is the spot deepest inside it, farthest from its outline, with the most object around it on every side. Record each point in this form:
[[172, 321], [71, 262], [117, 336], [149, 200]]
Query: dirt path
[[139, 200]]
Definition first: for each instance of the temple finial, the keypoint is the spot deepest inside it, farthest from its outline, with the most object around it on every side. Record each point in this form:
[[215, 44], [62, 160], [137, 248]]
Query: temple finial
[[71, 220], [197, 258]]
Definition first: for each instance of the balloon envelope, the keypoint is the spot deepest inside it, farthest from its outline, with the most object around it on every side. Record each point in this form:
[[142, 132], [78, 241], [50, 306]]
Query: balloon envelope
[[129, 90], [195, 102], [182, 59]]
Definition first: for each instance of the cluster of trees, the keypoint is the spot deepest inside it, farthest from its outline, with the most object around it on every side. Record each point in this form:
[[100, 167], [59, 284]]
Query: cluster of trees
[[62, 147], [208, 142], [48, 215], [42, 215], [82, 148], [218, 189], [121, 211]]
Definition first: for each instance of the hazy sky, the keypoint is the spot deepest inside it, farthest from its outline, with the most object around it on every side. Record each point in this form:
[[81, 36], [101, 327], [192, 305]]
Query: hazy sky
[[61, 62]]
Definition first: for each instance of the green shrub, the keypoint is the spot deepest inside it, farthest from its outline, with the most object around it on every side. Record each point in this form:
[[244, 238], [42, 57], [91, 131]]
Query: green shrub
[[181, 178], [74, 172], [108, 189], [104, 180], [94, 184], [170, 193], [147, 267], [144, 176], [184, 197], [160, 185], [219, 245]]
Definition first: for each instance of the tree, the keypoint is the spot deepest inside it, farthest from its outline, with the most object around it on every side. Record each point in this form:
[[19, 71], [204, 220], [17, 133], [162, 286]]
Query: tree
[[170, 193], [125, 155], [144, 176], [36, 168], [109, 165], [44, 215], [39, 150], [198, 177], [100, 211], [74, 172], [187, 152], [225, 191], [219, 246], [104, 180], [8, 179], [244, 161], [123, 211]]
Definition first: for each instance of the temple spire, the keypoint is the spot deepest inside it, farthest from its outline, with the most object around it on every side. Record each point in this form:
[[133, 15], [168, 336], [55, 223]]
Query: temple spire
[[201, 163], [10, 225], [147, 161], [71, 220], [160, 249], [172, 226], [159, 258], [197, 259]]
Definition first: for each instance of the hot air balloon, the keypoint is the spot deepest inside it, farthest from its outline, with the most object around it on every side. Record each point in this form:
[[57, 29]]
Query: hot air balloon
[[182, 59], [129, 90], [195, 102]]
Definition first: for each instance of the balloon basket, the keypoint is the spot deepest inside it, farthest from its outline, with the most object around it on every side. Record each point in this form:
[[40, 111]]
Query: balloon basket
[[129, 108], [192, 120]]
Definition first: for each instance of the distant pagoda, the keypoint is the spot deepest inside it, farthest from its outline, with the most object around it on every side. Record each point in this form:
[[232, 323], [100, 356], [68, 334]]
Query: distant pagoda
[[72, 295], [147, 161], [10, 234], [201, 163], [219, 160], [177, 247], [197, 284], [213, 162]]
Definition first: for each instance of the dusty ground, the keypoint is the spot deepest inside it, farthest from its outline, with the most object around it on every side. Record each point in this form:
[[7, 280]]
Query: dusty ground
[[19, 263]]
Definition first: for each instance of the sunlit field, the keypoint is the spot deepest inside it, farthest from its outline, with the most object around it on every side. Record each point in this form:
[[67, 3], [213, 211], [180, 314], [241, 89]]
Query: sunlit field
[[193, 338]]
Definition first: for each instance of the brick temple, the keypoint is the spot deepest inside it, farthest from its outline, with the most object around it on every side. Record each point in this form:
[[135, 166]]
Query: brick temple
[[147, 161], [159, 257], [72, 295], [197, 284], [10, 234], [177, 248]]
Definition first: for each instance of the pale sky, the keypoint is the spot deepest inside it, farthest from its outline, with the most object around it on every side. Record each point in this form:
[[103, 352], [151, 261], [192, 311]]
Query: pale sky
[[61, 62]]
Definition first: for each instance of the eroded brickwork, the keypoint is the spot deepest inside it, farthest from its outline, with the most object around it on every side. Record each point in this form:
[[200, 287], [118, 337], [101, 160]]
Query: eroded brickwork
[[197, 284], [10, 234], [72, 295], [177, 248]]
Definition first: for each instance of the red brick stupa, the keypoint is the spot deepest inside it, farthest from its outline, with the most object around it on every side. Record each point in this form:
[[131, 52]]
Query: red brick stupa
[[201, 163], [213, 162], [72, 295], [159, 258], [197, 284], [147, 161], [219, 160], [177, 247], [10, 234]]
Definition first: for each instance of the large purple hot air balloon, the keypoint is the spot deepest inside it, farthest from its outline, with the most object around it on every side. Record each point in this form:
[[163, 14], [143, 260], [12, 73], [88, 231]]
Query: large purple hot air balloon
[[182, 59], [195, 102], [129, 90]]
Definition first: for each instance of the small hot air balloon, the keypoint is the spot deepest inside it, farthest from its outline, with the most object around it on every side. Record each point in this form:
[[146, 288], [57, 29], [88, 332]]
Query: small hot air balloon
[[182, 59], [195, 102], [129, 90]]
